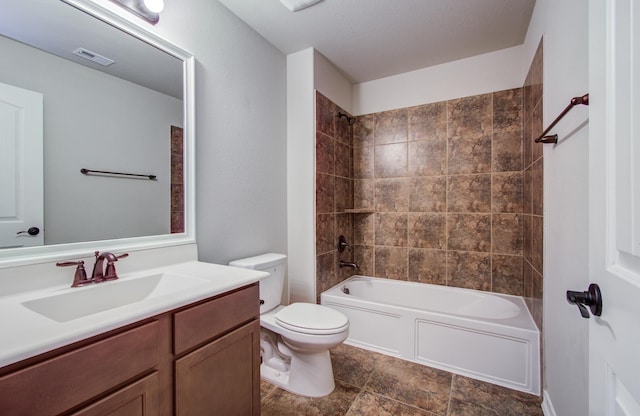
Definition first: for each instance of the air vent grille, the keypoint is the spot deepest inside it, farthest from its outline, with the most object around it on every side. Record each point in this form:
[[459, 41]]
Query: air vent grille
[[92, 56]]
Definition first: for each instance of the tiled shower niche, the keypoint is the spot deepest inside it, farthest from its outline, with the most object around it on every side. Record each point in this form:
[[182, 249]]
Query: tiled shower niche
[[434, 193]]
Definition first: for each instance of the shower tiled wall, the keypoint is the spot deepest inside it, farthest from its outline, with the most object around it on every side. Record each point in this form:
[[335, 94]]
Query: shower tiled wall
[[334, 192], [442, 193], [443, 183], [533, 182]]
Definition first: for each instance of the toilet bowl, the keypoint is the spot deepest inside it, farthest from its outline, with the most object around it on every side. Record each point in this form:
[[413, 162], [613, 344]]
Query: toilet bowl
[[295, 339]]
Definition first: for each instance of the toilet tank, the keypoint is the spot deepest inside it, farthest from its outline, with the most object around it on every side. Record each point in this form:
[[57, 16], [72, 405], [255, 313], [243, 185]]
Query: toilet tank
[[270, 287]]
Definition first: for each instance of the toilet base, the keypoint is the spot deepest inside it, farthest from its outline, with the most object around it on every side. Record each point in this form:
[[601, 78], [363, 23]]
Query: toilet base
[[309, 375]]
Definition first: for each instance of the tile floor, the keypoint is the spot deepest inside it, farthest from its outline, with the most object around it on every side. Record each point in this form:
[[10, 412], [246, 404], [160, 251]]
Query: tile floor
[[373, 384]]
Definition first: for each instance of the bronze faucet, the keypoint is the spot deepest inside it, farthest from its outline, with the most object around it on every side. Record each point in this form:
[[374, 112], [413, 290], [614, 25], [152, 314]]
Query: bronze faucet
[[99, 273]]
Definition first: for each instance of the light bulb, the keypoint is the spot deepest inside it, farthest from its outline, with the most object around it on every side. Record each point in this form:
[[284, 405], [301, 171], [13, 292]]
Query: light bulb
[[155, 6]]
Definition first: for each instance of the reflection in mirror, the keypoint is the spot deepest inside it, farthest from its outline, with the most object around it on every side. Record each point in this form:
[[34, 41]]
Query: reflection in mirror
[[109, 102]]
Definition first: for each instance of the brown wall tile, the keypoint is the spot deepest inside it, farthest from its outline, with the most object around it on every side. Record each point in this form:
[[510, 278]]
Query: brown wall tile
[[325, 159], [343, 197], [507, 151], [527, 142], [325, 271], [364, 229], [469, 232], [390, 134], [363, 162], [536, 131], [469, 193], [507, 274], [469, 270], [343, 129], [428, 157], [507, 233], [391, 262], [343, 159], [391, 229], [390, 160], [470, 116], [325, 115], [536, 187], [363, 255], [363, 194], [325, 193], [506, 194], [427, 122], [469, 155], [507, 109], [426, 230], [392, 194], [391, 118], [363, 131], [427, 266], [536, 243], [325, 233], [428, 194]]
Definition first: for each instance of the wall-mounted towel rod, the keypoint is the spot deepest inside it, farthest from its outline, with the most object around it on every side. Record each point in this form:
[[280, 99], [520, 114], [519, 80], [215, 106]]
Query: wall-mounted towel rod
[[584, 100], [103, 172]]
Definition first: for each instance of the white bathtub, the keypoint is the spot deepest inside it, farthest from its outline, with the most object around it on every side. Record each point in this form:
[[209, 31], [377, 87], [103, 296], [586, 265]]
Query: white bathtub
[[487, 336]]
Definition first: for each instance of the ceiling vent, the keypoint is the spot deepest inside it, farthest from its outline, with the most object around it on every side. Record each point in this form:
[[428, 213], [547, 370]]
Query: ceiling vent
[[92, 56]]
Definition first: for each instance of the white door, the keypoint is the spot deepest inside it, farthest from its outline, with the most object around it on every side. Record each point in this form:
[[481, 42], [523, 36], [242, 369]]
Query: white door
[[21, 165], [614, 152]]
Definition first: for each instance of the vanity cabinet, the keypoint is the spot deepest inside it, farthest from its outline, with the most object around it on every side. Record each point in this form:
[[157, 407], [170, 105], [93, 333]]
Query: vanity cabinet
[[201, 359]]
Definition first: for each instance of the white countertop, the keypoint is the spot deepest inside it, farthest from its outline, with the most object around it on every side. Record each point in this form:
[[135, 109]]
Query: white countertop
[[26, 333]]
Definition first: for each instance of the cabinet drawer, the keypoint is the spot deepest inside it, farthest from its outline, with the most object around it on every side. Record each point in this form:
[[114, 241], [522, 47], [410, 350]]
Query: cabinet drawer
[[137, 399], [60, 383], [203, 322]]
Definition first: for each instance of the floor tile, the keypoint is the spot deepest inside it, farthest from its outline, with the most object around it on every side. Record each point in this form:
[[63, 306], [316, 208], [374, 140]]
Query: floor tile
[[411, 383], [369, 404], [353, 365], [499, 399], [283, 403]]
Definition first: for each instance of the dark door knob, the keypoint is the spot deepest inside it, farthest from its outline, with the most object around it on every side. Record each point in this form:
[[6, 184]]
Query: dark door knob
[[31, 231], [591, 298]]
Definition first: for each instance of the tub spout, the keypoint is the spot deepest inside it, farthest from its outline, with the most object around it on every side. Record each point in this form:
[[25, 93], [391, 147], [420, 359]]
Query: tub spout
[[349, 264]]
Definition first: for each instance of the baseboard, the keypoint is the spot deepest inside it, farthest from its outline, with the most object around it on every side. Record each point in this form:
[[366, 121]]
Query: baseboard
[[547, 406]]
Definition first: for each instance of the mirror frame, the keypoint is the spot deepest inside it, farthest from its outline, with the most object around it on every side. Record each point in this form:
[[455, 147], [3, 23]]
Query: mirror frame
[[46, 253]]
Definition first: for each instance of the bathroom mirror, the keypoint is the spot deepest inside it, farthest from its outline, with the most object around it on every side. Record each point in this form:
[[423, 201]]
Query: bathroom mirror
[[134, 115]]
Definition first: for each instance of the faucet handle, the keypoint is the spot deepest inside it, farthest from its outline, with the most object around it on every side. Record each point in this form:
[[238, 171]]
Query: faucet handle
[[80, 276]]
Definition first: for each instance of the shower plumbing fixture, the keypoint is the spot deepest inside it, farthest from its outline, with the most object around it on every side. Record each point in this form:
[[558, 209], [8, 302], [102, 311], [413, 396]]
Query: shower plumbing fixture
[[342, 244], [349, 264], [350, 119]]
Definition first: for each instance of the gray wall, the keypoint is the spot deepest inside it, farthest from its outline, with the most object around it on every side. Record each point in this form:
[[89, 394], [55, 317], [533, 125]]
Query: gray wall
[[240, 130]]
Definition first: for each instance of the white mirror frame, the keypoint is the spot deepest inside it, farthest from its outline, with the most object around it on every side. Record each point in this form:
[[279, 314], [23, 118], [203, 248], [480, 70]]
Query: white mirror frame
[[42, 254]]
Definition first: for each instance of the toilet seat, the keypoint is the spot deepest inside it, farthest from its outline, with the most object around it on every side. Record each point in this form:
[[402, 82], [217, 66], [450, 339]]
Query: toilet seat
[[309, 318]]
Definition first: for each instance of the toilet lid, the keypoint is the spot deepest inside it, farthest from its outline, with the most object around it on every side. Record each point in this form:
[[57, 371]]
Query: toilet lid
[[310, 318]]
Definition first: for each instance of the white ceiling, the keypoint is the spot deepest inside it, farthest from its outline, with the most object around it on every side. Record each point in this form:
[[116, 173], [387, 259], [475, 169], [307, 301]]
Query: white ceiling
[[371, 39]]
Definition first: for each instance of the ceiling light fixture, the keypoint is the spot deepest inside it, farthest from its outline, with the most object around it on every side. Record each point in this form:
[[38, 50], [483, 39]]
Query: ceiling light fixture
[[295, 5], [149, 10]]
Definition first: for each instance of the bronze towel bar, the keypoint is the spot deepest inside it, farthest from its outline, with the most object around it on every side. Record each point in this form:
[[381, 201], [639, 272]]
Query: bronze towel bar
[[102, 172], [584, 100]]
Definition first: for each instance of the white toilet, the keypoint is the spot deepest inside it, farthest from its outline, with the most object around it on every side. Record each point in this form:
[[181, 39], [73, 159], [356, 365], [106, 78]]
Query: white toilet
[[295, 339]]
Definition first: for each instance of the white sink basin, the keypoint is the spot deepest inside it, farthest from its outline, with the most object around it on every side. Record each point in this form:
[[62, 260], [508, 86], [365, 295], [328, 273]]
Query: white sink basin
[[77, 303]]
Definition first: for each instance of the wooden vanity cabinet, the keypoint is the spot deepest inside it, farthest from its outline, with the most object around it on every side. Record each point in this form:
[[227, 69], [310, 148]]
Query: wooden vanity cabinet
[[202, 359]]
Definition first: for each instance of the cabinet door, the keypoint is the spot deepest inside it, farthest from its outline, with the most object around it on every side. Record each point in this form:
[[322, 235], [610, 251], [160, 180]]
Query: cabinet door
[[222, 377], [137, 399]]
